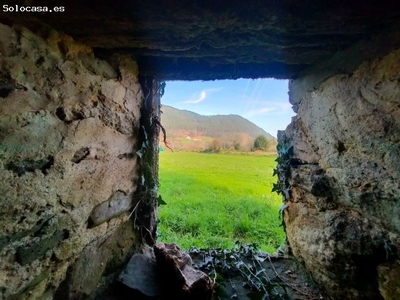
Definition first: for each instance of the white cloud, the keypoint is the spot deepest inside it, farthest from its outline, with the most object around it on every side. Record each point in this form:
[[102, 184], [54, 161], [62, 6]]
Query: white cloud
[[285, 106], [203, 95], [277, 108], [260, 111], [200, 98]]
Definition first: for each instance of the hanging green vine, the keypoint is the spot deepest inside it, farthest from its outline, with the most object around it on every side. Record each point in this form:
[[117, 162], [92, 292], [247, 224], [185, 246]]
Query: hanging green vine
[[282, 170]]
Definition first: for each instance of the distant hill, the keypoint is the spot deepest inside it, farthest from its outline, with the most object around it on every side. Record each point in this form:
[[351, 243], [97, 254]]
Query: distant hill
[[183, 126]]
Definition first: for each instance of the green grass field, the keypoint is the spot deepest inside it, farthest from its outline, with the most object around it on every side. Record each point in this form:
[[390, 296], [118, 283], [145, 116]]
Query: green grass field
[[214, 200]]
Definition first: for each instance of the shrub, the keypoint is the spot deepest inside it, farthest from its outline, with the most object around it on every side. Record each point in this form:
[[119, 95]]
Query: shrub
[[260, 143]]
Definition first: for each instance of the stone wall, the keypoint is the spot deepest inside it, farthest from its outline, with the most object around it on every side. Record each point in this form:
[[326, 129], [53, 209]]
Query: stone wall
[[340, 172], [69, 129]]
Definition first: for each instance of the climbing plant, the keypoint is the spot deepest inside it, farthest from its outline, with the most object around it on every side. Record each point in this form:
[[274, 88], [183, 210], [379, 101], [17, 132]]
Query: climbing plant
[[282, 170]]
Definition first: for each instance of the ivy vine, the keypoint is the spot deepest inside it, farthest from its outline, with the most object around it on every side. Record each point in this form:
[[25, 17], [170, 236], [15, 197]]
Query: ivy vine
[[282, 170]]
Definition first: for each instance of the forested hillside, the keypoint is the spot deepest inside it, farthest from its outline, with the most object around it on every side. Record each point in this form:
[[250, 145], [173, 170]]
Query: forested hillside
[[187, 129]]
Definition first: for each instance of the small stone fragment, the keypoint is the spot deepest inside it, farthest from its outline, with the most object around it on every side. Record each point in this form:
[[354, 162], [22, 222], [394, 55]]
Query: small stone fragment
[[141, 274], [80, 155]]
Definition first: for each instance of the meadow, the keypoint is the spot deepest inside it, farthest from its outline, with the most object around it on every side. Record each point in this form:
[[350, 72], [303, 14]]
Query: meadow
[[214, 200]]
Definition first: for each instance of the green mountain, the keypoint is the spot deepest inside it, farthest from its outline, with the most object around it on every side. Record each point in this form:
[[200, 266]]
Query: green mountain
[[183, 125]]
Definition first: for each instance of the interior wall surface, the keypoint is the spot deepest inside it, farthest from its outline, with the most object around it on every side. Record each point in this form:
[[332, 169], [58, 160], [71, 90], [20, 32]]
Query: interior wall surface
[[69, 132], [340, 175]]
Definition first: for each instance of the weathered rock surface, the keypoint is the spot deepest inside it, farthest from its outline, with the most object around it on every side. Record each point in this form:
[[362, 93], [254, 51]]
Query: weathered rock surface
[[113, 207], [165, 273], [343, 176], [68, 137], [177, 277], [141, 274]]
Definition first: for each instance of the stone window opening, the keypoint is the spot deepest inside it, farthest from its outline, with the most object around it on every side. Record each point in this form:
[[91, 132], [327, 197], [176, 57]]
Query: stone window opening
[[232, 102]]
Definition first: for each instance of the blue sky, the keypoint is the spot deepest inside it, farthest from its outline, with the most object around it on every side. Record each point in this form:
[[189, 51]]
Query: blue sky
[[262, 101]]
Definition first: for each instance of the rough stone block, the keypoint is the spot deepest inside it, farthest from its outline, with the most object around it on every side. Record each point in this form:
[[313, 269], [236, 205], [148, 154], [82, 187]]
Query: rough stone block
[[141, 274], [117, 204], [27, 254]]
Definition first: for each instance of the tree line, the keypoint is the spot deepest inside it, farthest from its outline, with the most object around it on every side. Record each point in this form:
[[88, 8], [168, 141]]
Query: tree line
[[241, 143]]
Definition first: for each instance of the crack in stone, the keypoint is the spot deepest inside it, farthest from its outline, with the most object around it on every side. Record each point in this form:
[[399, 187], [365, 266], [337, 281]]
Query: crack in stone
[[28, 165]]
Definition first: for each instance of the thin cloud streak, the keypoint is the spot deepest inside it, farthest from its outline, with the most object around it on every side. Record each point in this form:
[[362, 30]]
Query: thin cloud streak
[[261, 111], [203, 95], [279, 108]]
